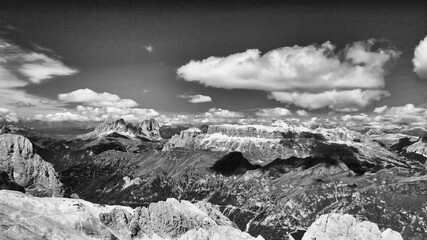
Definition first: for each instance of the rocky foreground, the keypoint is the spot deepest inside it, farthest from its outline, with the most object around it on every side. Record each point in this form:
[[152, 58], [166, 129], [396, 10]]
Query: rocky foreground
[[28, 217]]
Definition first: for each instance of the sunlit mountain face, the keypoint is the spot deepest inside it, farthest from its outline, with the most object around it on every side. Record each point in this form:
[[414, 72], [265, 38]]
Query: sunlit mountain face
[[213, 120]]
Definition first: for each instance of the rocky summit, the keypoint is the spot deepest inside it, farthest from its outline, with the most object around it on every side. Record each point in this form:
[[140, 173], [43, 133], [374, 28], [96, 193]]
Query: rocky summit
[[147, 129]]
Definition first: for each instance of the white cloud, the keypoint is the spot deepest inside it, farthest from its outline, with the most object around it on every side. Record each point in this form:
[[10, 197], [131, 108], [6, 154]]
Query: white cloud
[[408, 109], [420, 59], [149, 48], [97, 107], [273, 112], [98, 114], [381, 110], [39, 67], [302, 113], [336, 100], [61, 116], [292, 73], [294, 68], [196, 98], [8, 115], [91, 98], [222, 113], [20, 67]]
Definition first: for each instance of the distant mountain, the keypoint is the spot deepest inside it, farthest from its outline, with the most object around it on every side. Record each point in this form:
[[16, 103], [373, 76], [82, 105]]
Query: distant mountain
[[147, 130], [419, 147]]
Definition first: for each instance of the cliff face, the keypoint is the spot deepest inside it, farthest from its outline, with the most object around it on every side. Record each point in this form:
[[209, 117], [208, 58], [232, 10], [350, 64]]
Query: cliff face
[[29, 170], [345, 227], [78, 219], [263, 144], [148, 129], [419, 147]]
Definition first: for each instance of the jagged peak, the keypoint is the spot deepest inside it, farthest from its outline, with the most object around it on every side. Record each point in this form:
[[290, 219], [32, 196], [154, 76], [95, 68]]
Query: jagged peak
[[147, 129]]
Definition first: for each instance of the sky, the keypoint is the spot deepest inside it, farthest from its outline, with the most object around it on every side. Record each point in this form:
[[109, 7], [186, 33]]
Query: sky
[[90, 61]]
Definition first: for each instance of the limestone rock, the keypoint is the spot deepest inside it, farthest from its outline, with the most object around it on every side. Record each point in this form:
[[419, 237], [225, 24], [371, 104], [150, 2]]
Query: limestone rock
[[28, 217], [168, 219], [419, 147], [345, 227], [263, 144], [7, 184], [389, 234], [218, 233], [26, 168], [148, 129]]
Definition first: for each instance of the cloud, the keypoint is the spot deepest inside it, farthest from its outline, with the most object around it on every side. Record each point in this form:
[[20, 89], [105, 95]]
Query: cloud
[[99, 114], [336, 100], [314, 71], [302, 113], [222, 113], [149, 48], [196, 98], [92, 98], [39, 67], [97, 107], [8, 115], [294, 68], [408, 109], [420, 59], [273, 112], [20, 67], [61, 117]]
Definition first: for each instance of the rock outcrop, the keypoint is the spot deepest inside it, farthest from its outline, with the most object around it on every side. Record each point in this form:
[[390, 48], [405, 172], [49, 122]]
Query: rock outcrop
[[4, 129], [26, 168], [263, 144], [7, 184], [147, 129], [27, 217], [345, 227], [419, 147]]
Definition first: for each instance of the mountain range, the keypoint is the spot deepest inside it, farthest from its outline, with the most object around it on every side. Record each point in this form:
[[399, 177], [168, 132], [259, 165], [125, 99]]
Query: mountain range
[[228, 181]]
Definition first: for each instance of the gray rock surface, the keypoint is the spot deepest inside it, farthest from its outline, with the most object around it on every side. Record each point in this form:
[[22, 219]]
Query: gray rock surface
[[419, 147], [336, 226], [23, 166], [148, 129], [28, 217]]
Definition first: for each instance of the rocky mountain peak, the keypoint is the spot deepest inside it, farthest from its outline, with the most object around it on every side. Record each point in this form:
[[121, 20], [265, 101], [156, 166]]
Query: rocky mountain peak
[[147, 129], [419, 147]]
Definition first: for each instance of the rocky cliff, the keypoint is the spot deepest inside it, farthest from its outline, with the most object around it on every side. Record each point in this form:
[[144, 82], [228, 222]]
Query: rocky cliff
[[419, 147], [27, 217], [24, 167], [263, 144], [147, 129], [345, 227]]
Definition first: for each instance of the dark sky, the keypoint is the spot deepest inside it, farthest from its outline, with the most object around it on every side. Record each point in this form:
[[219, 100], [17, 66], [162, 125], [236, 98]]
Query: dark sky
[[105, 41]]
